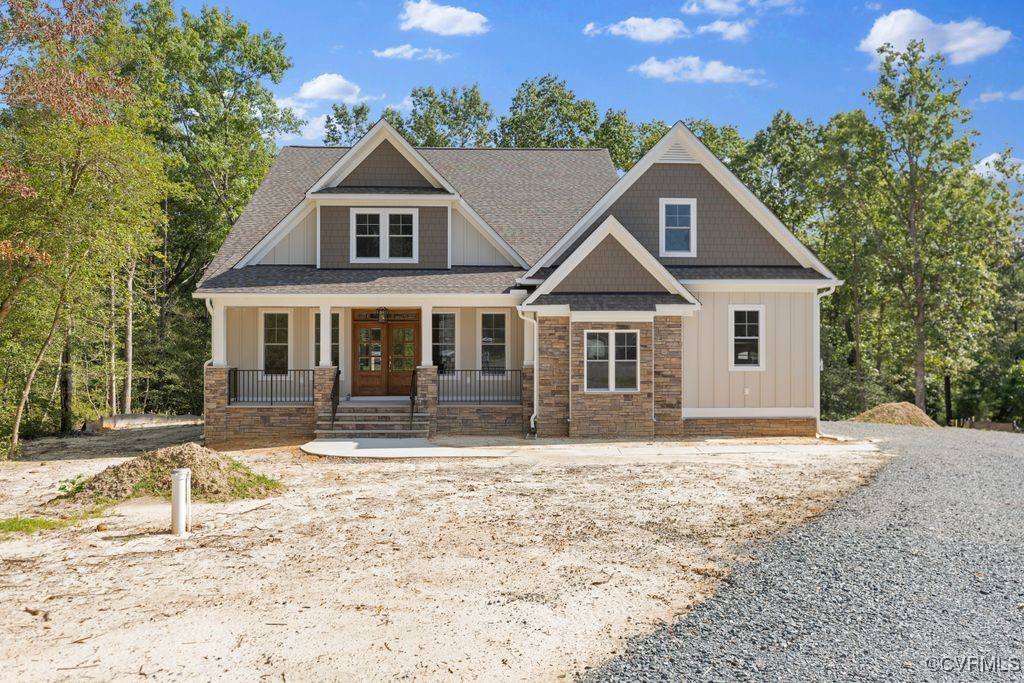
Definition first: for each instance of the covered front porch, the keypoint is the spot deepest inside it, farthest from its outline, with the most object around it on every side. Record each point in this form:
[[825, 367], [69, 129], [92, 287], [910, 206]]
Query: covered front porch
[[271, 351]]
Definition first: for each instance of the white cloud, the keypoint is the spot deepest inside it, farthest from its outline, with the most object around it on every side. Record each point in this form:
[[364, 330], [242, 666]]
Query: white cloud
[[790, 6], [987, 165], [873, 6], [711, 7], [445, 20], [643, 29], [300, 108], [696, 70], [962, 41], [330, 87], [313, 131], [1001, 95], [407, 51], [729, 30]]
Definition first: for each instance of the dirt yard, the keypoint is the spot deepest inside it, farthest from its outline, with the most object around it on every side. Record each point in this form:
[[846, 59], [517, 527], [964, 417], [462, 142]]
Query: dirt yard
[[525, 568]]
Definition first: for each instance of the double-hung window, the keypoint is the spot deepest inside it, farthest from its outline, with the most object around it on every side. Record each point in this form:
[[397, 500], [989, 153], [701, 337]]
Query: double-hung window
[[493, 356], [274, 342], [384, 235], [335, 347], [612, 361], [746, 337], [678, 234], [443, 342]]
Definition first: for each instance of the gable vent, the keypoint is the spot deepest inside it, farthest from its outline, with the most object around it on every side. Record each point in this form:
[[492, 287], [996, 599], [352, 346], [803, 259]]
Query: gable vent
[[677, 154]]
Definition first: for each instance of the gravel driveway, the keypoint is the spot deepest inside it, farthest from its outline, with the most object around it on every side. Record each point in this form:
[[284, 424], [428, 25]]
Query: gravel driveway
[[917, 576]]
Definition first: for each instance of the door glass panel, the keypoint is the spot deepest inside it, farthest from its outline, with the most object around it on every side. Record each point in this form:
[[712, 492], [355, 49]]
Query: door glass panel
[[403, 348], [370, 348]]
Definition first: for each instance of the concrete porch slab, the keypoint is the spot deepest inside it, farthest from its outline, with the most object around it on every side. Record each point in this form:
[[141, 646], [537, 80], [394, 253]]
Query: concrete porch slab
[[395, 449]]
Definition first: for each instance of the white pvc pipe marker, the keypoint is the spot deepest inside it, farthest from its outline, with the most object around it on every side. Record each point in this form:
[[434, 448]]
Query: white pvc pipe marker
[[181, 501]]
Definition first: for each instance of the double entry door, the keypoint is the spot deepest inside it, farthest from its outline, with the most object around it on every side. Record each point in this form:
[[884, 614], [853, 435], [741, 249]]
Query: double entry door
[[385, 355]]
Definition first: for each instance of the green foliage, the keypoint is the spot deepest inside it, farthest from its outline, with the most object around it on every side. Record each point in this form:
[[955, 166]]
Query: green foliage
[[546, 113], [29, 525], [343, 126]]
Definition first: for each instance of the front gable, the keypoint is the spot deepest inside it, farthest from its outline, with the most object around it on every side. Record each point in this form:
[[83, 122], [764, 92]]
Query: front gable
[[609, 268], [385, 166], [611, 262], [730, 226]]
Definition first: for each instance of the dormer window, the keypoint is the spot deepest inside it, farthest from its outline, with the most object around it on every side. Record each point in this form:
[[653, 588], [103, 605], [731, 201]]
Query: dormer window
[[384, 236], [678, 227]]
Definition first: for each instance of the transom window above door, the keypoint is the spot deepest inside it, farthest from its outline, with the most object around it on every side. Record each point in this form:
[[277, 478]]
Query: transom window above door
[[678, 234], [384, 236]]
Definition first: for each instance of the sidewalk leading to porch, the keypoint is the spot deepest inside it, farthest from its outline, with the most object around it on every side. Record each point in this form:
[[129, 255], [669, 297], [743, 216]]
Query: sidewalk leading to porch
[[401, 449]]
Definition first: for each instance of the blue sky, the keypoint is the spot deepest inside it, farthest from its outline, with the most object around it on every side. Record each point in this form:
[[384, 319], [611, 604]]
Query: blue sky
[[731, 61]]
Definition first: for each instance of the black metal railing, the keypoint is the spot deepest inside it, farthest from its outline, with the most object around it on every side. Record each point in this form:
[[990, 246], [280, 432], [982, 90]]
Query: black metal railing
[[413, 393], [335, 394], [257, 386], [480, 386]]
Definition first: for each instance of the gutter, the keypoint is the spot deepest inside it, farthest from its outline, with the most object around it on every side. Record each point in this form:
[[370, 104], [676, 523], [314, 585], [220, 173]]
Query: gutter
[[536, 367]]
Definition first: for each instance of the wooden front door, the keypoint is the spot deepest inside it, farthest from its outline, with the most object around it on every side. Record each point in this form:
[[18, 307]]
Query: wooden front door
[[384, 354]]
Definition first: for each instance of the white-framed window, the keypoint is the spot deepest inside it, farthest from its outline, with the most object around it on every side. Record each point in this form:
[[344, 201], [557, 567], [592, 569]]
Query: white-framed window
[[384, 235], [678, 232], [275, 336], [612, 361], [493, 342], [746, 337], [335, 340], [443, 341]]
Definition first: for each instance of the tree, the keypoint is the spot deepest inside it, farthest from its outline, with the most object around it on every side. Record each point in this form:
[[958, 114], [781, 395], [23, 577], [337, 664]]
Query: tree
[[343, 126], [944, 237], [618, 135], [546, 113]]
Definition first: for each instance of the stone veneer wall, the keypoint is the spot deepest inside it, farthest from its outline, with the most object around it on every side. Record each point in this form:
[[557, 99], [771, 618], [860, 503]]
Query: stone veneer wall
[[426, 394], [612, 415], [256, 425], [747, 427], [480, 420], [553, 415]]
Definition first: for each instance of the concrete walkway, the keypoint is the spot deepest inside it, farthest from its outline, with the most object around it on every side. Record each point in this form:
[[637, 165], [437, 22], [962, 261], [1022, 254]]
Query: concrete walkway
[[421, 448]]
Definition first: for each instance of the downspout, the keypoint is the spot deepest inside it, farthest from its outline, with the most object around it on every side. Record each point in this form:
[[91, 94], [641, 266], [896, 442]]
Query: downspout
[[536, 366], [817, 355]]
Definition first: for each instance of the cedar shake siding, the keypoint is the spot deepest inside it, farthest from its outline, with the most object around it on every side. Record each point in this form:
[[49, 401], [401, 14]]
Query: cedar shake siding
[[334, 239], [609, 268], [385, 167], [726, 235]]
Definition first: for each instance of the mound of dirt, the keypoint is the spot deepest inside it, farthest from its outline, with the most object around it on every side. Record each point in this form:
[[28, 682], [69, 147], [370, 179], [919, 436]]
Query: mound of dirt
[[215, 477], [902, 413]]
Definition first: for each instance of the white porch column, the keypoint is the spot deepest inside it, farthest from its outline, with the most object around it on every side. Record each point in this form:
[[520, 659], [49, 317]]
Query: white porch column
[[219, 332], [527, 342], [325, 360], [426, 327]]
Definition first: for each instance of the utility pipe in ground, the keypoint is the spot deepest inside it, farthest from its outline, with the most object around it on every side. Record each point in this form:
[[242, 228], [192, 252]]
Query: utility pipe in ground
[[181, 501]]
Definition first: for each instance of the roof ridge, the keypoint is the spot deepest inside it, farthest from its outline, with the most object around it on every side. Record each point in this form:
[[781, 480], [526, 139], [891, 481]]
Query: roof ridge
[[471, 149]]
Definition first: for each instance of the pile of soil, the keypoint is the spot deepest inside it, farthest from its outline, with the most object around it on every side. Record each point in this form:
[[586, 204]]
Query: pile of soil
[[902, 413], [215, 477]]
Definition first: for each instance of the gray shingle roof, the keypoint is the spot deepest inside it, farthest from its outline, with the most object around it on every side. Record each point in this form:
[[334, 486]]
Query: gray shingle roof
[[293, 172], [531, 197], [610, 302], [745, 273], [729, 273], [381, 189], [310, 280]]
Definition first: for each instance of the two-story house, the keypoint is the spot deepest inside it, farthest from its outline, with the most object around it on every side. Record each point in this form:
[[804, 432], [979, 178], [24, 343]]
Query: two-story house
[[509, 291]]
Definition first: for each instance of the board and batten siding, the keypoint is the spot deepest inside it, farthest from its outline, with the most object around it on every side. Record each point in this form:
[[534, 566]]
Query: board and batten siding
[[788, 378], [470, 247], [334, 238], [297, 248], [243, 337]]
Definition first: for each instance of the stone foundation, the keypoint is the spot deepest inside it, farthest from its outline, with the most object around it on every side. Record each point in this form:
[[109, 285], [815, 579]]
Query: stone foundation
[[481, 420], [712, 427]]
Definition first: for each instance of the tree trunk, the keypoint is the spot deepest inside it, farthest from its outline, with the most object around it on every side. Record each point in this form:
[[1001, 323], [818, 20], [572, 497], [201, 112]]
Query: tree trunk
[[919, 342], [949, 400], [26, 391], [66, 388], [112, 369], [129, 349]]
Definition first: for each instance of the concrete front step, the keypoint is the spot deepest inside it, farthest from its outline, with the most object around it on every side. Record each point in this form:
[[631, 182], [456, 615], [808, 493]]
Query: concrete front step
[[371, 434], [372, 417], [396, 407], [370, 426]]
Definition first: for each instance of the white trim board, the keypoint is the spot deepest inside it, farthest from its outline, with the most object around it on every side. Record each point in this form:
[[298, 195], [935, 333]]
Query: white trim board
[[259, 340], [612, 228], [679, 134]]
